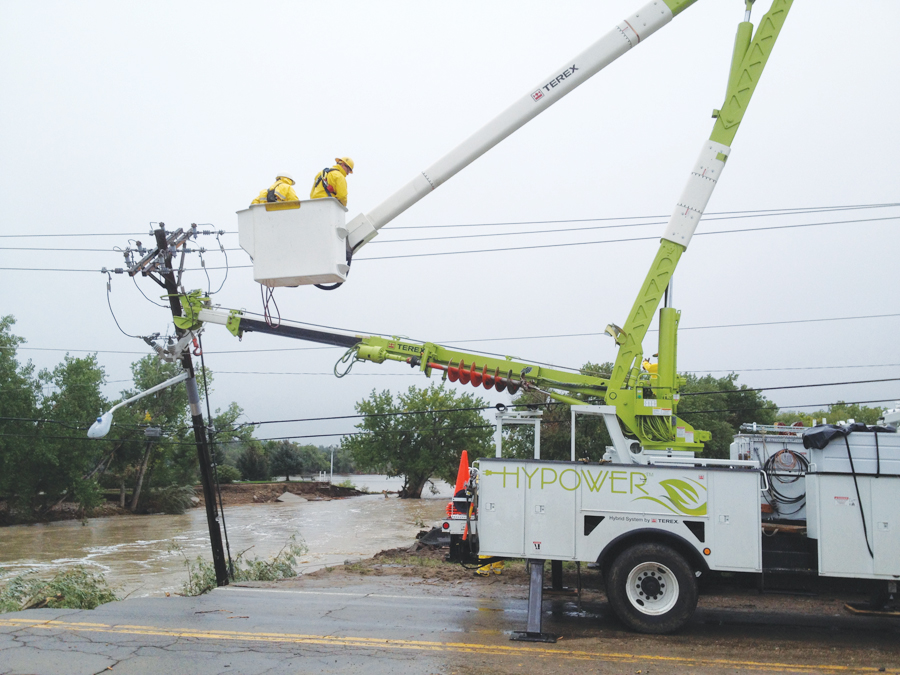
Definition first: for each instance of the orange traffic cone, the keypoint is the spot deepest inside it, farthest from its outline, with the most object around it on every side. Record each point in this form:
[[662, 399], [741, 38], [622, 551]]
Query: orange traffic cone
[[462, 477]]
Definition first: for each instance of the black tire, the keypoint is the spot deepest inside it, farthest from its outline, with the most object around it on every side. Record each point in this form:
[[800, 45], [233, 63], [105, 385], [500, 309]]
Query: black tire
[[652, 588]]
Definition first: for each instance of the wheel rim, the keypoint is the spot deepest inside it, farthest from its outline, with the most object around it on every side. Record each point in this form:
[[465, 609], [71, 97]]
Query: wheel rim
[[652, 588]]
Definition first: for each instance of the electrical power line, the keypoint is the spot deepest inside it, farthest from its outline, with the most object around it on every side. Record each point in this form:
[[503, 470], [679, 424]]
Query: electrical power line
[[792, 386], [510, 248], [799, 210], [706, 218], [619, 241]]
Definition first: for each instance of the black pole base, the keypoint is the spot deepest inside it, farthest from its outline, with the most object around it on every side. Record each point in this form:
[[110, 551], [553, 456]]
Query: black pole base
[[526, 636]]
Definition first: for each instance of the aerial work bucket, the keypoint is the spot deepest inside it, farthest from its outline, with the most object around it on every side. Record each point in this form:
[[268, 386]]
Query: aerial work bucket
[[295, 243]]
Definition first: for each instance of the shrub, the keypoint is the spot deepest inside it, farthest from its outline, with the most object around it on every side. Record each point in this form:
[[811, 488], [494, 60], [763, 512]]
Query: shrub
[[175, 499], [202, 573], [74, 588], [227, 474]]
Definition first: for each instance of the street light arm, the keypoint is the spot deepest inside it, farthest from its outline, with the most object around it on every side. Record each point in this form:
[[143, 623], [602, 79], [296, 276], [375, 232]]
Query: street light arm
[[101, 427]]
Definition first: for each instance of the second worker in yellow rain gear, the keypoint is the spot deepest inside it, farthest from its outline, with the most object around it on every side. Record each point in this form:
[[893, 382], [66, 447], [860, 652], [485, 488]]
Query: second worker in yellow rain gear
[[280, 191], [333, 182]]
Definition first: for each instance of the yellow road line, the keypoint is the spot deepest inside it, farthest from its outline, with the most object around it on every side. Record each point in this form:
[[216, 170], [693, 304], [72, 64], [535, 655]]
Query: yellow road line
[[518, 650]]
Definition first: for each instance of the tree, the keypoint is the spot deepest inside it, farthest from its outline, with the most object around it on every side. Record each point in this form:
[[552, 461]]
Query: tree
[[70, 467], [838, 412], [170, 459], [343, 459], [253, 463], [284, 459], [418, 446], [19, 438], [313, 459], [718, 405]]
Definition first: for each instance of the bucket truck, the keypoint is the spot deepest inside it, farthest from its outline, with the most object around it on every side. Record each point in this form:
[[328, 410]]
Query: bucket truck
[[652, 515]]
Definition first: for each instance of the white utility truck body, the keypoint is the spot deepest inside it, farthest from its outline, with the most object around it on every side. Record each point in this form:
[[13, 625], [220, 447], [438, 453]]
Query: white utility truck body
[[573, 511], [655, 523]]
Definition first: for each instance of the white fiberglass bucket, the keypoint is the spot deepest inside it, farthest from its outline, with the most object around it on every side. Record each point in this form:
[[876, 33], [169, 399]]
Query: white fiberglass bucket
[[295, 243]]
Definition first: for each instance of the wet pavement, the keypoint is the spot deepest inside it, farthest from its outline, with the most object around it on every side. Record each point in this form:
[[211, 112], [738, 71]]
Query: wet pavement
[[403, 626]]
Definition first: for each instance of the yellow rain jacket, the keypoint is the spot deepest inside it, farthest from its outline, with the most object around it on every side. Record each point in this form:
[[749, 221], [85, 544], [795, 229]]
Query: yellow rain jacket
[[336, 179], [281, 190]]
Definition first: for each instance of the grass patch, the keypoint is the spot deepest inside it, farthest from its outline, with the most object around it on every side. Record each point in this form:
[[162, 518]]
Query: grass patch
[[202, 573], [73, 588]]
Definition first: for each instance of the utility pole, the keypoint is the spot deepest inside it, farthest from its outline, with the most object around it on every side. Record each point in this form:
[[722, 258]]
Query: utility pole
[[200, 436]]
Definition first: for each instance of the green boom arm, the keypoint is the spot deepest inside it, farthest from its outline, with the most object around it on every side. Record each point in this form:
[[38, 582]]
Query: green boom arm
[[625, 385]]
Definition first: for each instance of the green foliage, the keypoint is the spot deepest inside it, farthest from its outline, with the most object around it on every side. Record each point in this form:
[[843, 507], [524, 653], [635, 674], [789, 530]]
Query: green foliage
[[723, 411], [18, 439], [313, 459], [227, 474], [39, 466], [74, 588], [174, 499], [253, 463], [284, 459], [343, 459], [227, 431], [418, 447], [839, 412], [202, 573], [346, 483], [46, 462]]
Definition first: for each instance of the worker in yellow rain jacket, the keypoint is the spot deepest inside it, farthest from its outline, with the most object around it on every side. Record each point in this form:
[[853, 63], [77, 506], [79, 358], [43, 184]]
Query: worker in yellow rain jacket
[[333, 182], [280, 191]]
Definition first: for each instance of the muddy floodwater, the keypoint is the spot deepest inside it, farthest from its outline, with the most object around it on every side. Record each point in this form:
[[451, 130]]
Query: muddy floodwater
[[144, 555]]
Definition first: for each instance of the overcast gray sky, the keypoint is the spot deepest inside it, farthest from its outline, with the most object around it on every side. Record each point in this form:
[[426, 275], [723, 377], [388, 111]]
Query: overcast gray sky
[[119, 114]]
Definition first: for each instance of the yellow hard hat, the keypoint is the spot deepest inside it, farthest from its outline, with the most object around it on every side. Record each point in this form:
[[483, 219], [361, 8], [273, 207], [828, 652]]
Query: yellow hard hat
[[345, 160], [285, 176]]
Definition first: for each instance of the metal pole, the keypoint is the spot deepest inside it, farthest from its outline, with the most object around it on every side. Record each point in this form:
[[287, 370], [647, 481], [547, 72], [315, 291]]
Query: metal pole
[[332, 465], [203, 455]]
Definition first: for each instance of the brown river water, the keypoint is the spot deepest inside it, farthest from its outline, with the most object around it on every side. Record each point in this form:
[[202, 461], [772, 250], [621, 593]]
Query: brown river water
[[145, 555]]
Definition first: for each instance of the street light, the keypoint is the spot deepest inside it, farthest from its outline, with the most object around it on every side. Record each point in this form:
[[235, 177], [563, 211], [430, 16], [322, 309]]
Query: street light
[[100, 428]]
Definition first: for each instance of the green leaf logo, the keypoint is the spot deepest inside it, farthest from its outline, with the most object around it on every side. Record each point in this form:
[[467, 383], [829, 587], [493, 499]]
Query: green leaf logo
[[681, 497]]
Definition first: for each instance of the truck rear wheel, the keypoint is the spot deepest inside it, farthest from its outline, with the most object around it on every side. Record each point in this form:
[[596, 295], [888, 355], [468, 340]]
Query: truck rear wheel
[[652, 589]]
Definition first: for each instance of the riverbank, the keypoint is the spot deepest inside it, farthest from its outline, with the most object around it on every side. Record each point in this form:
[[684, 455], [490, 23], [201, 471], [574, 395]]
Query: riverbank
[[233, 494], [145, 554]]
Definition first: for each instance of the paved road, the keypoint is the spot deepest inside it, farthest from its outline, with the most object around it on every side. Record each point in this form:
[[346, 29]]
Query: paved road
[[418, 628]]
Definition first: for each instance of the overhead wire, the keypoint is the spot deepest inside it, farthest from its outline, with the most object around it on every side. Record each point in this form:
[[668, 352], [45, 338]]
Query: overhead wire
[[521, 248], [791, 386], [619, 241], [109, 303], [789, 211], [707, 218], [486, 426], [500, 407], [749, 213]]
